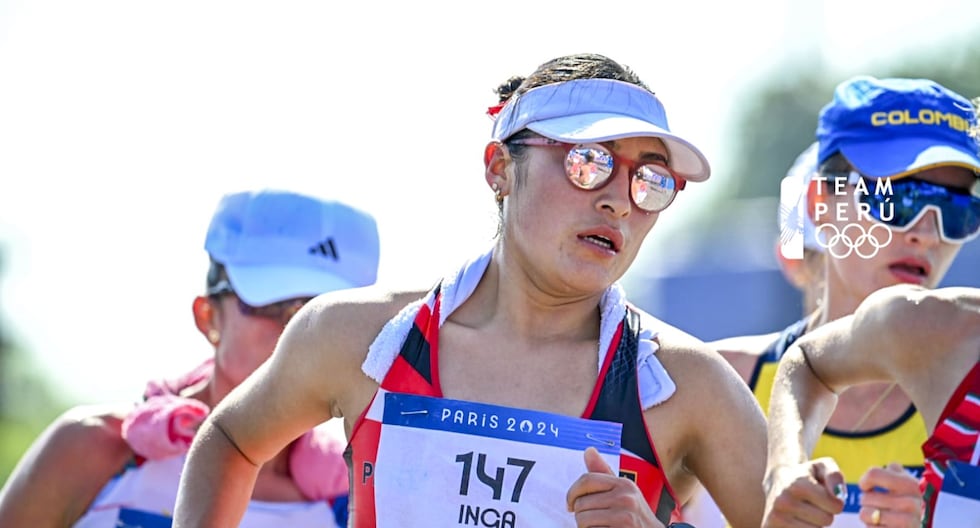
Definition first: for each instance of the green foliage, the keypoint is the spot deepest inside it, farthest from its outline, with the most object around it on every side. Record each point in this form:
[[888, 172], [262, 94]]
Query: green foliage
[[780, 121], [27, 406], [15, 438]]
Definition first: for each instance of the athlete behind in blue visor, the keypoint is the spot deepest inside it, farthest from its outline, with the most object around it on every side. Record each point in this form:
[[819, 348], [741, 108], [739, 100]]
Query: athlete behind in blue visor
[[119, 464]]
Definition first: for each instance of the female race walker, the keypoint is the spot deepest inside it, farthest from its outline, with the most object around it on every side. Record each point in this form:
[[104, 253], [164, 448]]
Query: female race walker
[[474, 405]]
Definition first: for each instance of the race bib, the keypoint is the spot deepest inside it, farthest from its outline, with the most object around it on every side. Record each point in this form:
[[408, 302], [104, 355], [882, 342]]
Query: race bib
[[958, 503], [455, 463], [850, 517], [140, 519]]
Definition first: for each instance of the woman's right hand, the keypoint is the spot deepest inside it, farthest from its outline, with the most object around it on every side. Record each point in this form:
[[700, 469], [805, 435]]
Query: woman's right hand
[[894, 494]]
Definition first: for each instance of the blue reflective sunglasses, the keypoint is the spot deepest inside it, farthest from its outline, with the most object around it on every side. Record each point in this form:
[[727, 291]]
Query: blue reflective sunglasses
[[958, 210]]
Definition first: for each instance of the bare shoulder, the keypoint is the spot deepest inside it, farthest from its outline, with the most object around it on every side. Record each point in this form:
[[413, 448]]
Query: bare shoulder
[[321, 352], [691, 362], [748, 345], [65, 468], [89, 439], [743, 352], [349, 319], [93, 430], [908, 332], [705, 382], [710, 406], [897, 333], [915, 307], [913, 314], [367, 304]]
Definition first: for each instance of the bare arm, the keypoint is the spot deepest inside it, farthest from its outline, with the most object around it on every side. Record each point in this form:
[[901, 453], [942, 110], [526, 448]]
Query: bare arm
[[881, 342], [63, 471], [716, 434], [728, 451], [312, 375], [743, 353], [896, 334], [891, 337]]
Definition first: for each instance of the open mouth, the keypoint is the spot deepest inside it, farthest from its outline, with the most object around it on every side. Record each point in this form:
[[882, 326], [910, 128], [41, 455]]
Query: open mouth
[[600, 241], [912, 269]]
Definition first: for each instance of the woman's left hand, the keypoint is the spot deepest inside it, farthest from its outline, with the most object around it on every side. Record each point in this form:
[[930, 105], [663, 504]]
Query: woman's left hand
[[890, 497]]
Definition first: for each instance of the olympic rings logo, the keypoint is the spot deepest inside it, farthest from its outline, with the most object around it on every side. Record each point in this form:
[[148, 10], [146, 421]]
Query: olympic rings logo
[[854, 238]]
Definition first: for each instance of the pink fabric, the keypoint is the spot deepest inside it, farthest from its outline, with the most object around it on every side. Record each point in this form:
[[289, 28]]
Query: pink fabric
[[318, 466], [163, 426], [175, 385]]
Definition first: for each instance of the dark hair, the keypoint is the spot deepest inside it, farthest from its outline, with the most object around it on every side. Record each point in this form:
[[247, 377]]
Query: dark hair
[[216, 273], [569, 68], [835, 167], [561, 69]]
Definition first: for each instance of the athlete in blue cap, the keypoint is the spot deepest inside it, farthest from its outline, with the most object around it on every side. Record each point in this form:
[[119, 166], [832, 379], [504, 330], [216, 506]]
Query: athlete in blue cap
[[927, 342], [897, 195]]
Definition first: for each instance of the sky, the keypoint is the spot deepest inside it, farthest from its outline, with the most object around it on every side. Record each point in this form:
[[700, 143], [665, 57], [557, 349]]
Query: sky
[[123, 122]]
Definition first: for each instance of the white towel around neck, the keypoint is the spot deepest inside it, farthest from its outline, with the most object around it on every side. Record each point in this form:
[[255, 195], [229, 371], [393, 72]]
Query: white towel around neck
[[654, 381]]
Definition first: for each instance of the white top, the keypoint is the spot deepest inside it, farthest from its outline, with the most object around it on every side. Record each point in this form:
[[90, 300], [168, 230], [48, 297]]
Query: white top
[[145, 496]]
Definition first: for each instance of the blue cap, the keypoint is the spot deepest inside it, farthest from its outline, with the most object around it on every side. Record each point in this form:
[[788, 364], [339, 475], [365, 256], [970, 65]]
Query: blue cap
[[278, 245], [595, 110], [893, 127]]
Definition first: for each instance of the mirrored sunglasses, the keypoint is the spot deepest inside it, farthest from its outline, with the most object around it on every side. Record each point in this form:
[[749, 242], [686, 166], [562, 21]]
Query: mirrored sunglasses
[[281, 311], [958, 210], [591, 166]]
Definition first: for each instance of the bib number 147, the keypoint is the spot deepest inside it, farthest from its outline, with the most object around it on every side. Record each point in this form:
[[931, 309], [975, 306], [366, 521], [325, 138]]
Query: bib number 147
[[494, 481]]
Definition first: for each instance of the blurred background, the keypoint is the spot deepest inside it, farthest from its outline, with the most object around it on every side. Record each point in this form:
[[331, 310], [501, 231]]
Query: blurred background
[[122, 123]]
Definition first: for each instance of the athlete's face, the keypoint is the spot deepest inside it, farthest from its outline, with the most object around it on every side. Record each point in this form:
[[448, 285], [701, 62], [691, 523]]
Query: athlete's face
[[588, 238], [248, 335], [915, 256]]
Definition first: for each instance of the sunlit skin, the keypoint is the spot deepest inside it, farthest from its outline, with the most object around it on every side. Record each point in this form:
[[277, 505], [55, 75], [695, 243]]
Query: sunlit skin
[[533, 316], [549, 208], [545, 254], [246, 341], [916, 256], [88, 439], [883, 340]]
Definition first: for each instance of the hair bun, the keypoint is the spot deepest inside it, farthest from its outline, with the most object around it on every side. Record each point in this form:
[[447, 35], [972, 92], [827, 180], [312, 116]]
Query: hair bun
[[508, 87]]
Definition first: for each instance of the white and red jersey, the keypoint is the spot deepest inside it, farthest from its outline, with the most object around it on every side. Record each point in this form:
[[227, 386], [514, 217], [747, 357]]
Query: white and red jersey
[[951, 482], [418, 459]]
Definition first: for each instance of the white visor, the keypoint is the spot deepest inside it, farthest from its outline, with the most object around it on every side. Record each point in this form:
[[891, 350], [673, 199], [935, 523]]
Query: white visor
[[596, 110]]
